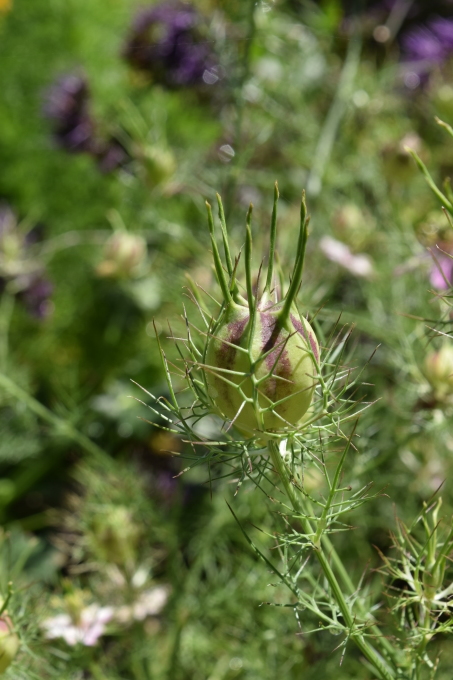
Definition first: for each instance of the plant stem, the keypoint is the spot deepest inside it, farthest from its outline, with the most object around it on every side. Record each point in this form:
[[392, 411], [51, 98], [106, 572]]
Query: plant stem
[[378, 662], [239, 160], [328, 133], [6, 312], [299, 264]]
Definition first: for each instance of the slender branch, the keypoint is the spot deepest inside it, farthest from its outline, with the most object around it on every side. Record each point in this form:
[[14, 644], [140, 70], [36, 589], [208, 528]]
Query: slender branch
[[431, 183], [6, 313], [223, 227], [371, 654], [217, 261], [328, 133], [270, 266], [298, 265]]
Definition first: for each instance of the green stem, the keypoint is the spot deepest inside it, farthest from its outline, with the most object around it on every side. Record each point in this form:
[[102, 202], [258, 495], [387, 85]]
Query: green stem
[[240, 158], [431, 183], [270, 266], [370, 653], [6, 313], [347, 582], [217, 260], [226, 247], [329, 131], [251, 300], [299, 264]]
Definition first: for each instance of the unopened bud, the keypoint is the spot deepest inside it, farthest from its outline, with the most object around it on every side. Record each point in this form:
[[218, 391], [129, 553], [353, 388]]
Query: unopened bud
[[281, 361], [159, 164], [439, 371], [9, 642], [261, 357], [115, 536], [123, 253]]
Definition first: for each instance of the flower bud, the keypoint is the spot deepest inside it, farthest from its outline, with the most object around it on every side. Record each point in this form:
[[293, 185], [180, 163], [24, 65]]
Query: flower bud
[[159, 164], [123, 254], [261, 356], [9, 642], [281, 363], [115, 536], [439, 371]]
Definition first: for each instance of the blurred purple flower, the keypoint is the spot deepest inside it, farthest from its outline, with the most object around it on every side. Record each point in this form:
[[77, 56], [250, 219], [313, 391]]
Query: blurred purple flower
[[443, 29], [19, 267], [441, 274], [425, 47], [111, 155], [166, 41], [36, 296], [67, 109]]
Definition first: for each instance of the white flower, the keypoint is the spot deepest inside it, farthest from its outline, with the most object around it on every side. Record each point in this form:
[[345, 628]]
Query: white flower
[[87, 630], [338, 252], [149, 603]]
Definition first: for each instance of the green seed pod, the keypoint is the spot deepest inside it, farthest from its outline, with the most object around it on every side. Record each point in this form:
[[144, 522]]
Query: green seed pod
[[261, 356], [123, 255], [159, 163], [439, 371], [280, 367], [115, 536], [9, 642]]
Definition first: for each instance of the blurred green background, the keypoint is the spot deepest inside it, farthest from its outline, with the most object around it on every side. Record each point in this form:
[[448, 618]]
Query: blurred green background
[[118, 119]]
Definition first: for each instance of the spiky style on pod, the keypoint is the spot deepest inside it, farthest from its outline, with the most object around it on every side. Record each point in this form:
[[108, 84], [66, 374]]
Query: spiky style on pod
[[261, 357]]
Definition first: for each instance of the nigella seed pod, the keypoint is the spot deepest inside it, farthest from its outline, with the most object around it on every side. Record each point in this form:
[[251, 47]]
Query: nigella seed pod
[[9, 642], [261, 356], [282, 361]]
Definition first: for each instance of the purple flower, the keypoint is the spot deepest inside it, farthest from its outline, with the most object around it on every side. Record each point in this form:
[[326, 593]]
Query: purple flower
[[443, 29], [441, 274], [423, 45], [166, 41], [67, 109], [428, 46]]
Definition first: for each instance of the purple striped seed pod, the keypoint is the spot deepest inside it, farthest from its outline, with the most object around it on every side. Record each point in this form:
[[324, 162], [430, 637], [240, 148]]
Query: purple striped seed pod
[[273, 365], [261, 358]]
